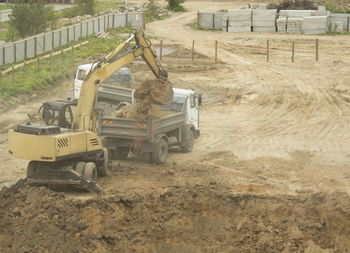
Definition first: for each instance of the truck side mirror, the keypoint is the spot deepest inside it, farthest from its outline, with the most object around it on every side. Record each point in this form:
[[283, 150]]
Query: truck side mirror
[[199, 100]]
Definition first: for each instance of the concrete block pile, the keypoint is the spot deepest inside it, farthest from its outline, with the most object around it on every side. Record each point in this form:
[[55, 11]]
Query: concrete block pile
[[315, 25], [294, 25], [238, 20], [297, 13], [282, 24], [264, 20]]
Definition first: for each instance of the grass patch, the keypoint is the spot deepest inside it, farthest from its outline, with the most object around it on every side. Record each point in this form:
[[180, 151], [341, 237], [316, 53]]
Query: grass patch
[[337, 33], [5, 7], [105, 5], [223, 10], [336, 9], [35, 81]]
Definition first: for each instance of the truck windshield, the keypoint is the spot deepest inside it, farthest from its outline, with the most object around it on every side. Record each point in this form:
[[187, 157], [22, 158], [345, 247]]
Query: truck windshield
[[81, 74]]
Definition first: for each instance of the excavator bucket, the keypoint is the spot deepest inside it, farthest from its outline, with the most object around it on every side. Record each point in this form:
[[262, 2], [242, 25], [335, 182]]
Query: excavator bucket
[[61, 178]]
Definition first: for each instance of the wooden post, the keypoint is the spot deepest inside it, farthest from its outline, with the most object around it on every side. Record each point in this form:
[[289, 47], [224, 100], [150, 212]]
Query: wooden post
[[81, 29], [67, 35], [38, 61], [198, 20], [60, 39], [73, 33], [87, 28], [35, 49], [14, 52], [192, 49], [98, 24], [161, 50], [13, 73], [316, 49], [293, 51], [144, 20], [108, 21], [51, 61], [44, 43], [347, 27], [62, 56], [216, 50], [3, 56], [268, 50], [93, 26], [25, 68], [73, 50], [126, 19], [25, 49], [52, 40], [113, 20]]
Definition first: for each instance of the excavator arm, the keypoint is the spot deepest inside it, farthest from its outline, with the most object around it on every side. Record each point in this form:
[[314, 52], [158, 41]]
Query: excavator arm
[[104, 68]]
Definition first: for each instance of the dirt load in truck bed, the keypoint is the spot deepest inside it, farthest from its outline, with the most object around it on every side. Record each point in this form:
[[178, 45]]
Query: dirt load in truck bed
[[148, 95]]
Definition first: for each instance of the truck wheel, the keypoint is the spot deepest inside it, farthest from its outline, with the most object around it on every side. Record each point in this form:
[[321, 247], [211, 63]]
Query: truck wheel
[[121, 153], [32, 168], [90, 172], [79, 167], [161, 152], [104, 168], [187, 146]]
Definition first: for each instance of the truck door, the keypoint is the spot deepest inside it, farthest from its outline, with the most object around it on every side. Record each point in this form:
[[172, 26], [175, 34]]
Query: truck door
[[194, 111]]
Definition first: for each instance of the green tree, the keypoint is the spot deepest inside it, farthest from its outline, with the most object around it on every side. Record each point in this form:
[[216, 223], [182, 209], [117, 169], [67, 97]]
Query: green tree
[[29, 18], [175, 5], [86, 6]]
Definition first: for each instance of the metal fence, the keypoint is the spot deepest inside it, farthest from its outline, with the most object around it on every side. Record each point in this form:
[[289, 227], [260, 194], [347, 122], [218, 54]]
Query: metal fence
[[31, 47], [210, 20]]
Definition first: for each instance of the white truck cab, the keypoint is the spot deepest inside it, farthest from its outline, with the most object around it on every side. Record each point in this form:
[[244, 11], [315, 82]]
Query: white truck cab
[[122, 76]]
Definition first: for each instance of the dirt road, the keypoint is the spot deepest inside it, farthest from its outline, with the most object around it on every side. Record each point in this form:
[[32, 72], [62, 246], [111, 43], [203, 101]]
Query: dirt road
[[270, 171]]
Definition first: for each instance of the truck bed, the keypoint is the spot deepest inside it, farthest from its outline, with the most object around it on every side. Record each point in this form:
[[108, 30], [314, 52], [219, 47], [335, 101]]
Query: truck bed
[[140, 129]]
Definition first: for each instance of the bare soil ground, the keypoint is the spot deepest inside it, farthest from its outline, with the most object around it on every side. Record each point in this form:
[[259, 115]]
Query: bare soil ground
[[269, 173]]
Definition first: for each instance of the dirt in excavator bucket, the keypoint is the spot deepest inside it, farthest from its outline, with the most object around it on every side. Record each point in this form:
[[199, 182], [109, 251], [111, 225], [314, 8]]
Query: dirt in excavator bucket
[[148, 95], [155, 92]]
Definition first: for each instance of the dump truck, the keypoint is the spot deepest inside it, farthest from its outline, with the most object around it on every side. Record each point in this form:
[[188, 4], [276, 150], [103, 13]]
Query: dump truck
[[154, 136]]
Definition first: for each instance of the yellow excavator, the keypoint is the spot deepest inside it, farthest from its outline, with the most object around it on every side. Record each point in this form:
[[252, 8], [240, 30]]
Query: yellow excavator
[[75, 156]]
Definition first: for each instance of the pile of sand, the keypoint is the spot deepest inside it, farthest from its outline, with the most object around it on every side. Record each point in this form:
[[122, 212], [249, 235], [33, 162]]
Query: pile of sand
[[148, 95]]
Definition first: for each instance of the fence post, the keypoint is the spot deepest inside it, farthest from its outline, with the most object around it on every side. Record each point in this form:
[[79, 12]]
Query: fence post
[[25, 49], [51, 61], [108, 21], [25, 68], [44, 43], [192, 49], [144, 20], [126, 19], [216, 50], [198, 20], [89, 44], [74, 33], [14, 52], [53, 41], [98, 24], [93, 26], [113, 20], [80, 46], [38, 60], [13, 73], [316, 49], [87, 28], [62, 56], [293, 51], [3, 56], [104, 23], [81, 29], [347, 28], [67, 35], [0, 77], [161, 50], [73, 50], [268, 50], [60, 39], [35, 49]]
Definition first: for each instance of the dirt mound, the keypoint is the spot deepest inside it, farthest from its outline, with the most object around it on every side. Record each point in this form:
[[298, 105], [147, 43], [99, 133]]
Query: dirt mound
[[155, 91], [139, 111], [183, 219]]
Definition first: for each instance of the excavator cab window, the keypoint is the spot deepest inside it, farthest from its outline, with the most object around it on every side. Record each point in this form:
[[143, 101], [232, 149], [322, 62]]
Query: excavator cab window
[[81, 74]]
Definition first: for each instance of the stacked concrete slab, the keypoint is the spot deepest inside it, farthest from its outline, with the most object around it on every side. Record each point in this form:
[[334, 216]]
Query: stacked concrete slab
[[315, 25], [238, 20], [294, 25], [337, 20], [264, 20], [282, 24], [297, 13]]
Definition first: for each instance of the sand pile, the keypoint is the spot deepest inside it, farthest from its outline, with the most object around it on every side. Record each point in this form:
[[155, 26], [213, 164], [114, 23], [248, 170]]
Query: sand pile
[[182, 219], [148, 95]]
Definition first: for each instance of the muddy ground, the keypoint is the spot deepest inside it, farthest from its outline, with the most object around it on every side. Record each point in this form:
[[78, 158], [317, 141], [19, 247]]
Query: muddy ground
[[269, 173]]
